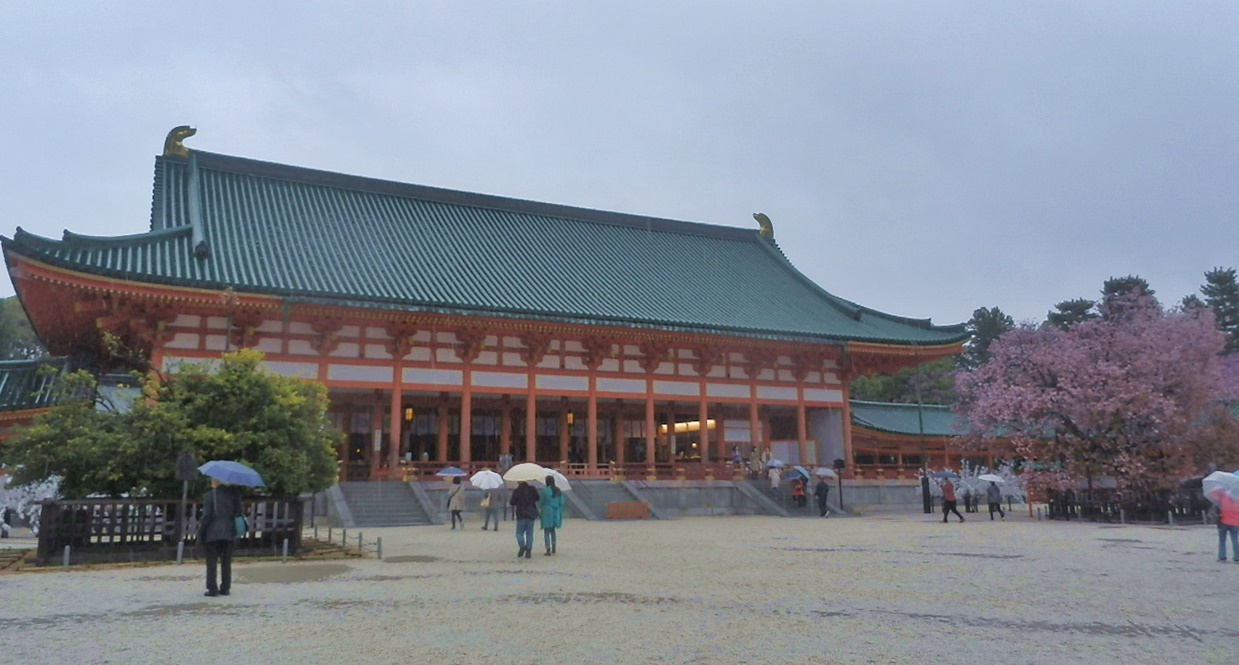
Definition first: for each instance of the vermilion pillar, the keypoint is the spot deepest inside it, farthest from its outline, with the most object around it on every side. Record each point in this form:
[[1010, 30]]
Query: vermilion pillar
[[393, 436], [505, 427], [703, 416], [443, 427], [563, 435], [531, 424], [650, 433], [592, 425], [802, 437], [617, 435], [753, 421], [466, 419], [376, 428]]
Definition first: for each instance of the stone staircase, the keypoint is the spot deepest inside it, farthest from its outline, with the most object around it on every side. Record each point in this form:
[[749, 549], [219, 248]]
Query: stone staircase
[[376, 504], [14, 559], [783, 498], [596, 494]]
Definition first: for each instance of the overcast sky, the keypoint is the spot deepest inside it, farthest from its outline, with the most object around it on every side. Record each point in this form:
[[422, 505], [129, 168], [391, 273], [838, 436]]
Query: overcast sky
[[921, 158]]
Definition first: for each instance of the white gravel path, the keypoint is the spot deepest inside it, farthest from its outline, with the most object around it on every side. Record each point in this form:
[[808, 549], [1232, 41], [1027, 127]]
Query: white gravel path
[[882, 589]]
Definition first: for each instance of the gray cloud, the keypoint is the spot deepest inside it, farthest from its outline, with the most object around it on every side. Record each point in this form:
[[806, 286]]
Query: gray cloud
[[921, 158]]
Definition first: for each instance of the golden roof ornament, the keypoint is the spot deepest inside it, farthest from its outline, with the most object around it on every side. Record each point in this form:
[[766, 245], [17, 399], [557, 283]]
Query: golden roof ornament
[[767, 229], [172, 144]]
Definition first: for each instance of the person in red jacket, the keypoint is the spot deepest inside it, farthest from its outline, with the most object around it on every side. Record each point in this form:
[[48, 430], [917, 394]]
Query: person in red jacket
[[1227, 524], [948, 501]]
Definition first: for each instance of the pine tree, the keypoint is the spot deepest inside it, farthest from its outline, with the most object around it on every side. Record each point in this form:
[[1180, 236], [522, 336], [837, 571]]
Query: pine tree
[[1071, 312], [985, 326], [1221, 294]]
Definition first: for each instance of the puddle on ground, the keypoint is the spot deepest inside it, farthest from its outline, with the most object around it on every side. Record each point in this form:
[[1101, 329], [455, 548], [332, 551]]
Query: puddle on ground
[[589, 599], [983, 556], [167, 578], [412, 558], [289, 573]]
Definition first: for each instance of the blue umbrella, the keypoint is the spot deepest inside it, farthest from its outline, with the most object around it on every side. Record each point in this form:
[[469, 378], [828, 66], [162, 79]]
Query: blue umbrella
[[944, 474], [233, 473], [802, 471], [452, 472]]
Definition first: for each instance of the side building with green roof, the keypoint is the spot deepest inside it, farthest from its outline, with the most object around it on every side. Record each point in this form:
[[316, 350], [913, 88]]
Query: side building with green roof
[[897, 440], [460, 328], [26, 391]]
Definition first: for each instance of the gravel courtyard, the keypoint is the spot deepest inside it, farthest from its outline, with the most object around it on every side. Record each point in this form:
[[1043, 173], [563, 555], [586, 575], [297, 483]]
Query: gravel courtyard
[[879, 589]]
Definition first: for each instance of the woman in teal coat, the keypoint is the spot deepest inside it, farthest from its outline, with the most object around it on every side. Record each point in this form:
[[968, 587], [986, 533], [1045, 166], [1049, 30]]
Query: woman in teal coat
[[551, 507]]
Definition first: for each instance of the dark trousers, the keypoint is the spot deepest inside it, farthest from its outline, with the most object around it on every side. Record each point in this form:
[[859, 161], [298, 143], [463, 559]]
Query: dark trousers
[[219, 552], [948, 507], [996, 506], [821, 505]]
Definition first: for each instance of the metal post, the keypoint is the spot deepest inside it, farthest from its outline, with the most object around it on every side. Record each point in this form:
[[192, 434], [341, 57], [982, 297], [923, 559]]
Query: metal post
[[380, 548], [1170, 517], [1038, 514], [285, 555], [1122, 516], [359, 548], [66, 562], [344, 537], [180, 552]]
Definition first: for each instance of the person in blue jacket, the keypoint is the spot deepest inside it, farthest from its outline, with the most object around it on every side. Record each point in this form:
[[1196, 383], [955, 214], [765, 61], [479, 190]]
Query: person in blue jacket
[[551, 507]]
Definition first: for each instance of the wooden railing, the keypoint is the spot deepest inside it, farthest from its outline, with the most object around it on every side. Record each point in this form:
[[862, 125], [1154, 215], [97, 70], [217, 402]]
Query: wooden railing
[[882, 472], [138, 529], [425, 471]]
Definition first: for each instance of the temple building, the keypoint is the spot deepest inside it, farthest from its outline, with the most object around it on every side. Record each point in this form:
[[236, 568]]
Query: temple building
[[897, 440], [452, 328]]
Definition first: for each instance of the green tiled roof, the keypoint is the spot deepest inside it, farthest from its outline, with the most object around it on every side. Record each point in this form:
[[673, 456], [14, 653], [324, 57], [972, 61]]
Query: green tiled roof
[[312, 236], [939, 420], [23, 386]]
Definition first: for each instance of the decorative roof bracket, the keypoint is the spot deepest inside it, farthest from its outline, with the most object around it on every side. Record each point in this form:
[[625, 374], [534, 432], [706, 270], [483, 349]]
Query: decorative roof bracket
[[767, 228], [172, 144]]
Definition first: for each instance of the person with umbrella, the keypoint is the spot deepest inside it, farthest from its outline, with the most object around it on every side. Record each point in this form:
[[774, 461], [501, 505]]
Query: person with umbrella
[[551, 508], [822, 491], [524, 503], [217, 533], [993, 495], [775, 476], [948, 501], [456, 502], [489, 482], [799, 497], [1222, 488]]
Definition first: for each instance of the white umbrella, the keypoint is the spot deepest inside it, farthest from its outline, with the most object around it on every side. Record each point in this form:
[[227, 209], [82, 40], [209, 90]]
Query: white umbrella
[[825, 472], [486, 480], [560, 481], [991, 478], [1220, 481], [528, 472]]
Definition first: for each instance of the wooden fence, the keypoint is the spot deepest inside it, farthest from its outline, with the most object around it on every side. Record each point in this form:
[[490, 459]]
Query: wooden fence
[[103, 530], [1186, 506]]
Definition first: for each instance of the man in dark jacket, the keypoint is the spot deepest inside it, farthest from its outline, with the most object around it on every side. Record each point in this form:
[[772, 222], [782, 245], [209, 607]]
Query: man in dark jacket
[[217, 532], [525, 507], [821, 491]]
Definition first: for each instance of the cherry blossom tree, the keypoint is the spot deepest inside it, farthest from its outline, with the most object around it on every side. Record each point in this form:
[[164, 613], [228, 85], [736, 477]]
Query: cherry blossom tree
[[1139, 398]]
